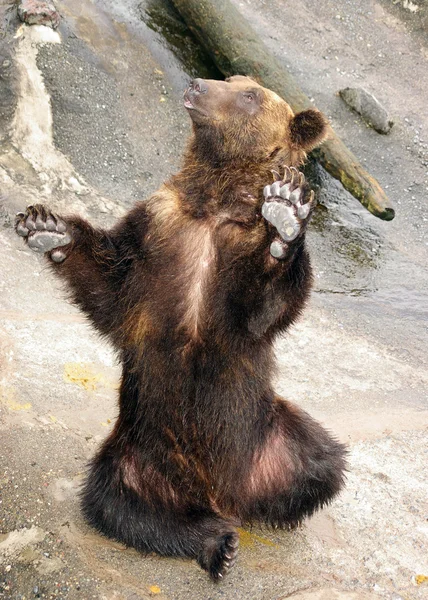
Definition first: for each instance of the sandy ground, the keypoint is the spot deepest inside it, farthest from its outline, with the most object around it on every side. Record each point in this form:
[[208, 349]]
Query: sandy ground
[[91, 119]]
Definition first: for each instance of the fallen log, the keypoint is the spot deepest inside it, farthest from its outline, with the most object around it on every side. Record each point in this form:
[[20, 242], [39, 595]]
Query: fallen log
[[236, 49]]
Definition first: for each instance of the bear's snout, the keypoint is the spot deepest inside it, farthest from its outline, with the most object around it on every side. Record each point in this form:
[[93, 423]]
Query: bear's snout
[[198, 86]]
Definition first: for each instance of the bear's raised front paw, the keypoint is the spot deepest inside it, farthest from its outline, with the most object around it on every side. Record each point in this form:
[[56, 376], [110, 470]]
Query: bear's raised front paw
[[43, 231], [287, 207]]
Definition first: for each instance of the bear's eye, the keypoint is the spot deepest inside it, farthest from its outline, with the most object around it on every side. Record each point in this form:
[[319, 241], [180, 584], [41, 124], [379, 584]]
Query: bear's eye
[[249, 97]]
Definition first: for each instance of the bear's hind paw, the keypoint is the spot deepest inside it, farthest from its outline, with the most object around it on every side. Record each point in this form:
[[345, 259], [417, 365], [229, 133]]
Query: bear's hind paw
[[219, 555]]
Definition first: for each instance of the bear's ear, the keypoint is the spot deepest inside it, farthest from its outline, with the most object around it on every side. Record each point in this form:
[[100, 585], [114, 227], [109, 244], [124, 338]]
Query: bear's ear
[[308, 129]]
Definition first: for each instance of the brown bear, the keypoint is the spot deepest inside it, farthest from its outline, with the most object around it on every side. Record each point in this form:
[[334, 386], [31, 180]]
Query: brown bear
[[191, 287]]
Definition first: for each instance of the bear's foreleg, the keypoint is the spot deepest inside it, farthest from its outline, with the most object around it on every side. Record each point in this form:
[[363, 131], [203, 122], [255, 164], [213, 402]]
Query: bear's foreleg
[[281, 287], [81, 255]]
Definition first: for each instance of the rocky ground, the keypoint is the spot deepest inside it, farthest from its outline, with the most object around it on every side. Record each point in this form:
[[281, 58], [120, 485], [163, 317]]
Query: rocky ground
[[91, 118]]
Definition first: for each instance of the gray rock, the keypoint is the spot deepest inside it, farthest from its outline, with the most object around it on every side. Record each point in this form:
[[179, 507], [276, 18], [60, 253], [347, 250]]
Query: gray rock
[[368, 107], [37, 12]]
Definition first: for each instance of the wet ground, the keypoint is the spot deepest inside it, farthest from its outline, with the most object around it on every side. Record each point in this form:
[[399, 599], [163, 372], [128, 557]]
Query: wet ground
[[91, 118]]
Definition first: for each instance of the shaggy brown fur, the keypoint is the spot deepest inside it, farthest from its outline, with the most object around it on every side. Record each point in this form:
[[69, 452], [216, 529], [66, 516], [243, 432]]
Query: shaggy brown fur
[[186, 289]]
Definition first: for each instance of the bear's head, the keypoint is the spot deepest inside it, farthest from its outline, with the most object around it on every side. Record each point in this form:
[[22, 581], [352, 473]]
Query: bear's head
[[239, 120]]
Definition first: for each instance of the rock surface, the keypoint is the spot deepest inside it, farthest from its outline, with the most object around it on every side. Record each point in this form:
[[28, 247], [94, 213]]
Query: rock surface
[[368, 107], [94, 120]]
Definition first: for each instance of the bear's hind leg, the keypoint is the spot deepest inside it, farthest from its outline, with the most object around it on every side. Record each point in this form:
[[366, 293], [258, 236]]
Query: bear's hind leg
[[151, 517], [299, 469]]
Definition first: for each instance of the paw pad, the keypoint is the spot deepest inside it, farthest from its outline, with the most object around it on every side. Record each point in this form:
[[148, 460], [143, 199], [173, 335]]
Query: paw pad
[[288, 203], [43, 231]]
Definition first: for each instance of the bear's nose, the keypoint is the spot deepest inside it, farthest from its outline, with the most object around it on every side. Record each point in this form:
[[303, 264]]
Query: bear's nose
[[198, 86]]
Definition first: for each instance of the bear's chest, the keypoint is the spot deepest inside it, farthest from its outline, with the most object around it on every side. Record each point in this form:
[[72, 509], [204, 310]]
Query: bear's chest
[[196, 269]]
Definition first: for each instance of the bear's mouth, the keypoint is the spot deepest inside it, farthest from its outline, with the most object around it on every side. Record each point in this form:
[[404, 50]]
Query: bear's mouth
[[188, 103]]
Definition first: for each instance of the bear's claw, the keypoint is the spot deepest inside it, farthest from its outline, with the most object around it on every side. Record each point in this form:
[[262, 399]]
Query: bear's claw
[[219, 554], [288, 203], [43, 231], [224, 558]]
